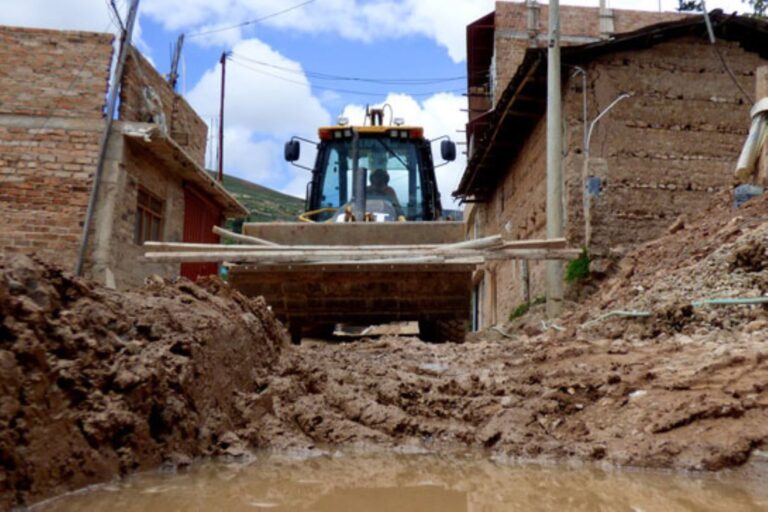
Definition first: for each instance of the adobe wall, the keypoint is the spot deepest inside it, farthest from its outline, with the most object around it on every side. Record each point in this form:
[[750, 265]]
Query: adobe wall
[[516, 210], [52, 93], [136, 104], [139, 168], [579, 23], [665, 151]]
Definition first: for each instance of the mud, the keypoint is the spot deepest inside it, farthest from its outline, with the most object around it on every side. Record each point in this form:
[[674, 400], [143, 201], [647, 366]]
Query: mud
[[686, 387], [96, 383], [386, 482]]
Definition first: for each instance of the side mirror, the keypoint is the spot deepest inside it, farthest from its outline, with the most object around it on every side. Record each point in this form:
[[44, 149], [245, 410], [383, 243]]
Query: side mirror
[[448, 150], [293, 150]]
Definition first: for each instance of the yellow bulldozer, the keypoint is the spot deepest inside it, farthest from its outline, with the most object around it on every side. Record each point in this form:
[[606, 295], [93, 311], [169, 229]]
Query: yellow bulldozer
[[373, 187]]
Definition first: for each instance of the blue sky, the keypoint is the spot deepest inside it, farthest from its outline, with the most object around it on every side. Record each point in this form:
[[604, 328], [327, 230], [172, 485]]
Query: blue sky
[[273, 90]]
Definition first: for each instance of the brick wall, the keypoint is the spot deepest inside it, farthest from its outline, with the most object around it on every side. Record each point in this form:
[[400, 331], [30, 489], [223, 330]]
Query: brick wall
[[584, 22], [183, 123], [52, 93], [50, 72], [662, 153]]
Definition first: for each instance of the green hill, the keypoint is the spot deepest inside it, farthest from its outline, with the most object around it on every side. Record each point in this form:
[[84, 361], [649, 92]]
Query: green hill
[[265, 204]]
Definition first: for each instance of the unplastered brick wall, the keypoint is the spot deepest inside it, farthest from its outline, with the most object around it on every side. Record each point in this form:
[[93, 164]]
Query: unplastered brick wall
[[53, 73], [52, 94], [581, 23], [45, 177], [145, 93], [668, 149]]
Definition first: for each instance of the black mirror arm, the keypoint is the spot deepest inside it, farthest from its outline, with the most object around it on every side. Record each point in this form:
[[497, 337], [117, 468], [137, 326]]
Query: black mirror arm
[[296, 137], [302, 166], [440, 165], [440, 138]]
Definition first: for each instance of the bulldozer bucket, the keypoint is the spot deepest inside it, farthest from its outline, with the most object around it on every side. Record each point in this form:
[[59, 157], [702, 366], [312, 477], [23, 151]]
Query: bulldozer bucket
[[364, 293]]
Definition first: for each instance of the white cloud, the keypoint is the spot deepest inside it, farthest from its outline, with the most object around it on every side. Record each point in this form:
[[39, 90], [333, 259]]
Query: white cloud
[[358, 20], [261, 113], [439, 115], [351, 19]]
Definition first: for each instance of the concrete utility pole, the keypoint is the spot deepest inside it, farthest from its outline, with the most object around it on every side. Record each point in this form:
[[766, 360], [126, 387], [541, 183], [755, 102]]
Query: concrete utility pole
[[125, 44], [554, 161], [221, 114], [173, 76]]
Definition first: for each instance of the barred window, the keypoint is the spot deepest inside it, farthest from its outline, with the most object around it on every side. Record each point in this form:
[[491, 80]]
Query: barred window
[[149, 217]]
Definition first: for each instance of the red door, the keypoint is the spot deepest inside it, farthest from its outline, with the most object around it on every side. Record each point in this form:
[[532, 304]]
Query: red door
[[200, 215]]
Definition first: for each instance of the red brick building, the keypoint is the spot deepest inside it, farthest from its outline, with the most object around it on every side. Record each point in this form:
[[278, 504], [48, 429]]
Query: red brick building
[[665, 151], [53, 87]]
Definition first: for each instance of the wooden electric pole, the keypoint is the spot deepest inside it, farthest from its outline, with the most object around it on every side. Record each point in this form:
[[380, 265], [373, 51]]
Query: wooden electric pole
[[223, 62]]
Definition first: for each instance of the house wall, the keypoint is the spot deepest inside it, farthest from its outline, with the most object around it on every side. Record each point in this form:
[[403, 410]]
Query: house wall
[[52, 92], [144, 170], [146, 93], [664, 152], [667, 150], [578, 24]]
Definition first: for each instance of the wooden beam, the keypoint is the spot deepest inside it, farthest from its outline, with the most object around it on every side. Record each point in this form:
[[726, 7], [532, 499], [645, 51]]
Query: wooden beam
[[225, 233]]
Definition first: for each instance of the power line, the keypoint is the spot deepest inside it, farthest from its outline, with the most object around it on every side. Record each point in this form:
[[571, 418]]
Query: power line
[[344, 91], [326, 76], [251, 22]]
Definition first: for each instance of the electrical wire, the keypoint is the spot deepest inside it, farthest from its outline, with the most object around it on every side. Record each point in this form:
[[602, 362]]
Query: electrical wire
[[326, 76], [344, 91], [250, 22]]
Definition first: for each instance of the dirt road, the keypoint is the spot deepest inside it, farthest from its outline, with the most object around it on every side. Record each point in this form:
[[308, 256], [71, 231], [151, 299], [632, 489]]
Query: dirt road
[[96, 383]]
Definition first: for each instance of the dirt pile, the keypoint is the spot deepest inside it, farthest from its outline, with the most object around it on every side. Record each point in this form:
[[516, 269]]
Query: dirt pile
[[723, 254], [95, 383]]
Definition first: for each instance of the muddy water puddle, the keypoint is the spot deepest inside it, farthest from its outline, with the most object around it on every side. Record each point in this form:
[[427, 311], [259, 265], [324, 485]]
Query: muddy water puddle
[[406, 483]]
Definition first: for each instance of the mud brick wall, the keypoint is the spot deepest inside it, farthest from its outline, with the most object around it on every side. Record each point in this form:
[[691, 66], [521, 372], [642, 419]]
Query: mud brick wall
[[56, 73], [517, 210], [142, 169], [512, 18], [667, 150], [52, 93], [183, 123]]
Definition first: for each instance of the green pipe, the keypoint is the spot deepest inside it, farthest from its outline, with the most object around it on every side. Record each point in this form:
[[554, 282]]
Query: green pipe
[[730, 302]]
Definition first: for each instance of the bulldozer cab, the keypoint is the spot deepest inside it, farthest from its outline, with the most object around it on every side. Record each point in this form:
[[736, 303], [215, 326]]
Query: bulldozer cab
[[394, 172], [389, 167]]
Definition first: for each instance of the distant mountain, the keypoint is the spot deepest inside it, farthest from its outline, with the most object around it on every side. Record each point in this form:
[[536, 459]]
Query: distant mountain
[[265, 204]]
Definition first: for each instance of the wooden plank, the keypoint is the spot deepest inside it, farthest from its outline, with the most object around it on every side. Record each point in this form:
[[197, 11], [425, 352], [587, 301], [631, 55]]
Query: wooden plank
[[319, 257], [225, 233], [358, 233]]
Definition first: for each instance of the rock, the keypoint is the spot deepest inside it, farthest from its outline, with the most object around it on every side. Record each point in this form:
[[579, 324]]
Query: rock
[[678, 225], [756, 325]]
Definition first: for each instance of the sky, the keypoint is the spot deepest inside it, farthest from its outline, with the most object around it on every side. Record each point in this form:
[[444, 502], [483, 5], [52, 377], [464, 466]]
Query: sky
[[293, 71]]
